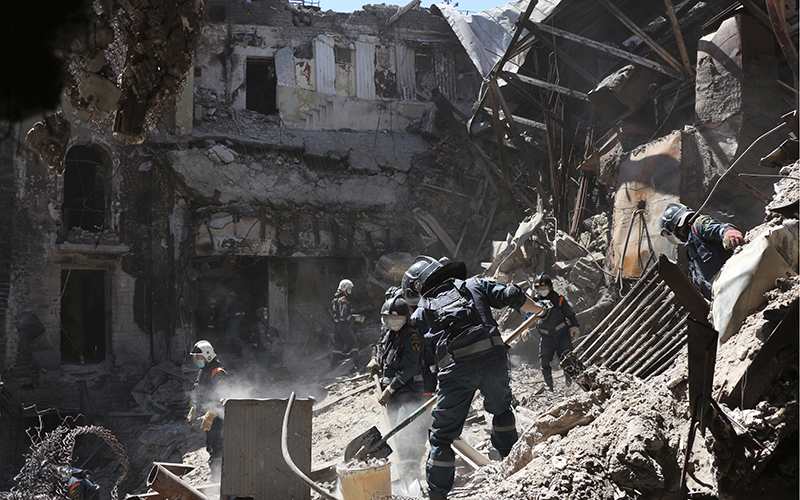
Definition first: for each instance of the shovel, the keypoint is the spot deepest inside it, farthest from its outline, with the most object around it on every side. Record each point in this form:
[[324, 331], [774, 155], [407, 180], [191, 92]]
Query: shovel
[[372, 444]]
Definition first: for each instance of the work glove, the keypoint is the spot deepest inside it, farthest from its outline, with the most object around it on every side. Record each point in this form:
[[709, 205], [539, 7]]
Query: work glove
[[358, 318], [574, 333], [732, 239], [526, 335], [191, 416], [546, 306], [513, 295], [385, 395], [373, 367], [206, 421]]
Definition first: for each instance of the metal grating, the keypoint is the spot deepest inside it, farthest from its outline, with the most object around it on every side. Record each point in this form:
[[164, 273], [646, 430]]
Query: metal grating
[[643, 334]]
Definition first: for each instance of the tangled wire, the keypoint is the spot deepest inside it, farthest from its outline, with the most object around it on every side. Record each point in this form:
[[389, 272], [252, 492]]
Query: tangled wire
[[48, 467]]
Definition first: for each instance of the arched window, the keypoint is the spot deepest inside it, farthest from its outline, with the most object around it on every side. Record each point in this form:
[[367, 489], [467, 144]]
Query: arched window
[[85, 203]]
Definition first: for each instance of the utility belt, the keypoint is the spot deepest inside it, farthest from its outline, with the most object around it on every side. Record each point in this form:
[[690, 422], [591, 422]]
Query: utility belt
[[472, 350]]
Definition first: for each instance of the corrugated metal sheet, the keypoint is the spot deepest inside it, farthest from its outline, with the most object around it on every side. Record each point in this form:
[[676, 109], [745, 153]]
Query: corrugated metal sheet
[[324, 64], [486, 35], [643, 334], [406, 76], [252, 464], [365, 69]]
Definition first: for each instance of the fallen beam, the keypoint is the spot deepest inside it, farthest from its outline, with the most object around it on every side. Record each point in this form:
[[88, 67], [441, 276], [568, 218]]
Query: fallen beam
[[324, 406]]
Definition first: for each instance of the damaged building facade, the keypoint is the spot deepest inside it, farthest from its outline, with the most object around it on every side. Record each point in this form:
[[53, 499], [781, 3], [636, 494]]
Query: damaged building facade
[[287, 163]]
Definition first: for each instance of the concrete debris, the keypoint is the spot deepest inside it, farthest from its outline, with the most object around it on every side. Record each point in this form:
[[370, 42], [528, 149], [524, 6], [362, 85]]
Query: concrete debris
[[566, 248], [48, 139], [224, 154]]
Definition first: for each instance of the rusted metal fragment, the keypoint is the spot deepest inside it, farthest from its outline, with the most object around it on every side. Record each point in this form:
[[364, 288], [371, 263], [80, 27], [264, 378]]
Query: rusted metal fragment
[[648, 180]]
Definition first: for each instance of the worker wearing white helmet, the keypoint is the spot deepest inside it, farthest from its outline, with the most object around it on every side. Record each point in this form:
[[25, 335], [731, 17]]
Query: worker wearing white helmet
[[343, 317], [206, 395]]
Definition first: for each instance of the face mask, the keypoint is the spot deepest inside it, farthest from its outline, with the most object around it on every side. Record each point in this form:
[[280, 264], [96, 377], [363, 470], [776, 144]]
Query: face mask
[[200, 363], [393, 324], [543, 291]]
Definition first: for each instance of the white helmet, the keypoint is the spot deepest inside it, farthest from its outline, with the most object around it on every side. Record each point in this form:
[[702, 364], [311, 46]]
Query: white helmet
[[205, 349], [345, 285]]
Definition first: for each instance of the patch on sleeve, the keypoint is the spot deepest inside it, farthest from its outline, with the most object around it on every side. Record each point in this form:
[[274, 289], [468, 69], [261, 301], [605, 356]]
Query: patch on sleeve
[[416, 345]]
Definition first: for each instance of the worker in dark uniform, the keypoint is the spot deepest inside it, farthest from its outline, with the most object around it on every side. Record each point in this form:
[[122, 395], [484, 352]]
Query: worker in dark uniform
[[265, 340], [400, 366], [455, 317], [557, 331], [709, 243], [234, 312], [209, 388], [343, 317]]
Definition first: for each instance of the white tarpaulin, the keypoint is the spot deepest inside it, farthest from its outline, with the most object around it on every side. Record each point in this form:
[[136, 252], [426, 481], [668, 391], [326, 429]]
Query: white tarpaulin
[[486, 35]]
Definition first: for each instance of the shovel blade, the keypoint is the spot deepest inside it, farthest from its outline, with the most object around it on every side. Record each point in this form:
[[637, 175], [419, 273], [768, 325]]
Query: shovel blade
[[366, 440]]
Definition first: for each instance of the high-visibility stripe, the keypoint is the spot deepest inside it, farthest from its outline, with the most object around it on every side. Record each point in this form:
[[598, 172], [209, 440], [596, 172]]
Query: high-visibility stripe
[[507, 428], [438, 463], [217, 370]]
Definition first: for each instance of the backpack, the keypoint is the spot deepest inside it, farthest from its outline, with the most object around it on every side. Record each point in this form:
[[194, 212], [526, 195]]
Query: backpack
[[453, 310]]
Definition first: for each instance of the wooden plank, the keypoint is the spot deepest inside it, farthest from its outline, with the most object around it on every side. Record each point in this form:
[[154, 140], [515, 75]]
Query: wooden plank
[[614, 10], [436, 228], [470, 455], [553, 87], [327, 404], [608, 49], [676, 28]]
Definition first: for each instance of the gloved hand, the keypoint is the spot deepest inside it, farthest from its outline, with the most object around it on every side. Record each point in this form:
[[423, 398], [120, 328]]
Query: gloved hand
[[385, 395], [206, 421], [574, 333], [546, 306], [732, 239], [191, 416], [513, 295], [526, 335], [358, 318], [373, 367]]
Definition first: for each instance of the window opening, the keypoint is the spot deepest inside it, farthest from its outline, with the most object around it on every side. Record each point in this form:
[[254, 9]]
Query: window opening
[[262, 86], [425, 73], [83, 316], [85, 205]]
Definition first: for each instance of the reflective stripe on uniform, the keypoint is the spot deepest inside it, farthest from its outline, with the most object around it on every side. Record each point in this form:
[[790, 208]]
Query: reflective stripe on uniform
[[508, 428], [438, 463]]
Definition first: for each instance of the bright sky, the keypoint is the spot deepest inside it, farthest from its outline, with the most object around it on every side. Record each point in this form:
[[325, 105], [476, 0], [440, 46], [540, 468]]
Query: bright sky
[[351, 5]]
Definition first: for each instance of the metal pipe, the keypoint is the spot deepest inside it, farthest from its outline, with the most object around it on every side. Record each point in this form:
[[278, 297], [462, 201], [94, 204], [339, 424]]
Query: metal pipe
[[171, 486], [670, 352], [674, 337], [662, 331], [648, 354], [640, 331], [618, 315], [288, 459]]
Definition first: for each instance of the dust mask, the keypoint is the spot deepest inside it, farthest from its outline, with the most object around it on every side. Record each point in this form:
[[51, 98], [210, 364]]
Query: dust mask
[[393, 323], [200, 363], [543, 291]]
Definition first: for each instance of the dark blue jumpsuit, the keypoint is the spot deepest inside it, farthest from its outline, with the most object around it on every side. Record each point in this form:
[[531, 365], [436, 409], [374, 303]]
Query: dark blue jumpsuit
[[468, 360], [705, 252], [343, 335], [554, 333]]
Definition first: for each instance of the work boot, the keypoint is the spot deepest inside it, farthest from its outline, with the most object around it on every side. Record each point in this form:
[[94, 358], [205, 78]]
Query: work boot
[[437, 495], [549, 381]]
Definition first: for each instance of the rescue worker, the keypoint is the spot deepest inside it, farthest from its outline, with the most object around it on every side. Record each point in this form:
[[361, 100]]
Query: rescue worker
[[234, 312], [265, 340], [400, 366], [455, 317], [557, 331], [208, 390], [343, 317], [709, 243]]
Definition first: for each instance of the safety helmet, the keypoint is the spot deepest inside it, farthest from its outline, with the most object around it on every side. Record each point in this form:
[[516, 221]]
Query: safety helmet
[[543, 280], [395, 306], [345, 284], [674, 216], [260, 311], [205, 349], [426, 272], [392, 291]]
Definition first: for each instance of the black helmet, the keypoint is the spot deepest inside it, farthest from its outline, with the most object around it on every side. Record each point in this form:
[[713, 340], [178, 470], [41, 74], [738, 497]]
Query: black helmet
[[260, 311], [427, 271], [395, 306], [543, 280], [675, 216]]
